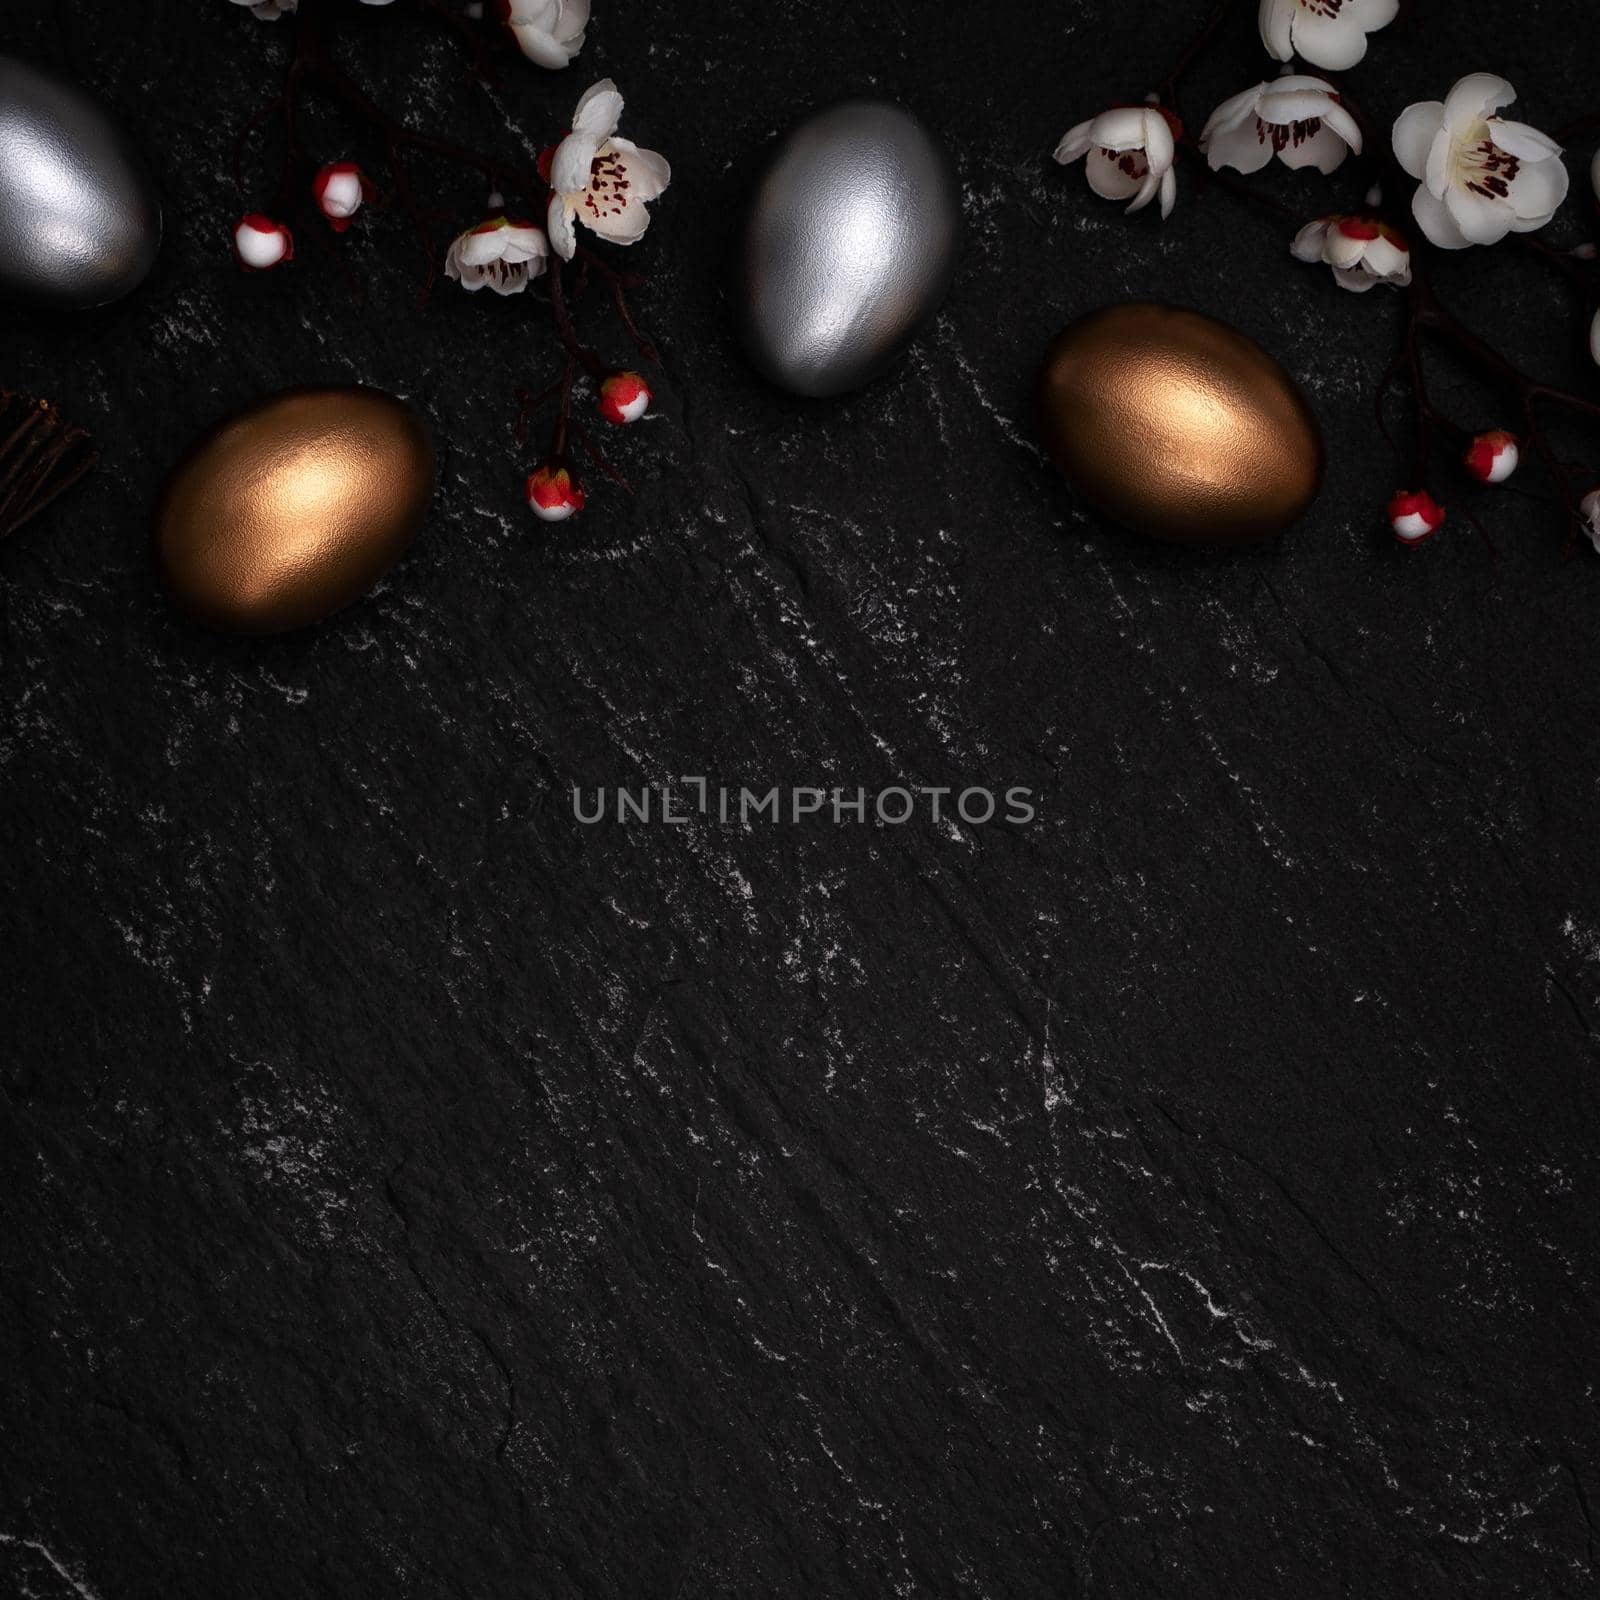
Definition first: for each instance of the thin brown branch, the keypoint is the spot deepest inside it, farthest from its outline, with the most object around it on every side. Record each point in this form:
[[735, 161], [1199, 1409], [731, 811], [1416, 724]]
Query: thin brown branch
[[1169, 86], [41, 457]]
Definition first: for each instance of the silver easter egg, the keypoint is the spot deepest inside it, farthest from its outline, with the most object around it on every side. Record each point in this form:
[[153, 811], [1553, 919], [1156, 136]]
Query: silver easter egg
[[849, 247], [79, 222]]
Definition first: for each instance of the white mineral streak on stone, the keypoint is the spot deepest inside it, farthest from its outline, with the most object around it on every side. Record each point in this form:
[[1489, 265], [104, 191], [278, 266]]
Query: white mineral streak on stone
[[1007, 425], [51, 1560]]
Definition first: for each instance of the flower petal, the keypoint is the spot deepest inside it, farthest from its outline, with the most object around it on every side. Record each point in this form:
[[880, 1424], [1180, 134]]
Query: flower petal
[[1243, 149], [1537, 193], [1436, 222], [626, 226], [1343, 251], [1387, 260], [1293, 105], [1232, 113], [1108, 179], [1481, 221], [1415, 130], [1123, 128], [1075, 142], [1295, 82], [1439, 171], [541, 46], [573, 163], [574, 19], [478, 249], [509, 281], [646, 171], [1276, 21], [1324, 150], [1159, 149], [562, 230], [1344, 125], [1353, 279], [1169, 198], [1148, 190], [1475, 98], [599, 111], [1525, 143], [1307, 245], [1336, 43], [526, 244]]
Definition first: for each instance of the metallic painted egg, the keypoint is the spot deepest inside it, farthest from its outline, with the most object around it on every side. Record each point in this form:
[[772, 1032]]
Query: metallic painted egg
[[293, 508], [849, 246], [1178, 426], [79, 222]]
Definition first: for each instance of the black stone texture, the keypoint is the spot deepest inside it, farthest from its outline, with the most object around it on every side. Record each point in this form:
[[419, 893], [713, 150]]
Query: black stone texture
[[405, 1191]]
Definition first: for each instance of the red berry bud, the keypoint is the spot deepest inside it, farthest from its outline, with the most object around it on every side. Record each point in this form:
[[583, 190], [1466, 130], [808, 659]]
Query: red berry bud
[[1493, 457], [624, 397], [340, 191], [554, 494], [261, 243], [1415, 516]]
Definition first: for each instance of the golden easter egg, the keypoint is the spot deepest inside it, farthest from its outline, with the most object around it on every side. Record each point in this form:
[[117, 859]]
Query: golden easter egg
[[293, 508], [1178, 426]]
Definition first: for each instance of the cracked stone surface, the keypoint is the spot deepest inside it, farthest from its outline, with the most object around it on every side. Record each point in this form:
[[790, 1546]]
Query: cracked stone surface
[[407, 1191]]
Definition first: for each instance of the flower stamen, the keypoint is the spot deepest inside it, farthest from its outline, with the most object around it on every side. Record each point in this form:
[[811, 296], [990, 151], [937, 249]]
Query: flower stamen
[[1486, 169]]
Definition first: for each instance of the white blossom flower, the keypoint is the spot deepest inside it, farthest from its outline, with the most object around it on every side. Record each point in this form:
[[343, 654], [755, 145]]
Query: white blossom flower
[[1362, 251], [1297, 118], [547, 31], [1327, 33], [501, 252], [600, 180], [1482, 177], [1131, 150], [1590, 507]]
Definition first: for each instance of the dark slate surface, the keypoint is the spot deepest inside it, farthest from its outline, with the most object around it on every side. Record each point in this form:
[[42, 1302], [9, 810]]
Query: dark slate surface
[[408, 1192]]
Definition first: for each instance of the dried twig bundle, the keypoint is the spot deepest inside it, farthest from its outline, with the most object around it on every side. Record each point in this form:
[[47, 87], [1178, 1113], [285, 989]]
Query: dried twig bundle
[[41, 456]]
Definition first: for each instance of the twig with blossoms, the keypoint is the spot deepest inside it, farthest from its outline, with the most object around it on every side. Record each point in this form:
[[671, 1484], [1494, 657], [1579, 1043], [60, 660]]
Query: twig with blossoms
[[1491, 457], [592, 177], [1481, 178]]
